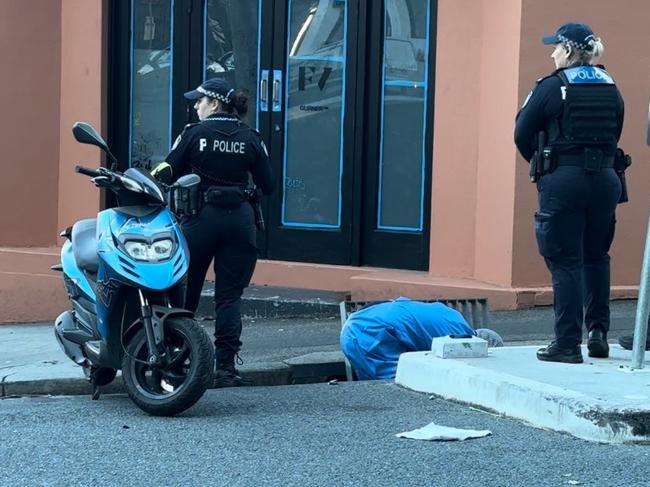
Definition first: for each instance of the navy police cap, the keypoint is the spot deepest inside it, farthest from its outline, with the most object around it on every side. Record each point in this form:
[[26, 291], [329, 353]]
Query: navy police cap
[[214, 88], [575, 34]]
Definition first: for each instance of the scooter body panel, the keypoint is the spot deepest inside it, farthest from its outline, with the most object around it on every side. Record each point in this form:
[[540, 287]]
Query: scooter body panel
[[74, 273], [115, 228]]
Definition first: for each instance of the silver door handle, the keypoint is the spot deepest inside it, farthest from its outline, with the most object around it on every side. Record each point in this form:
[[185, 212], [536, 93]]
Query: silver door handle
[[277, 87], [264, 91]]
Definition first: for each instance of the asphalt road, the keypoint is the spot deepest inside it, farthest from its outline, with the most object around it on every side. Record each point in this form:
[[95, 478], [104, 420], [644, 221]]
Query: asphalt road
[[311, 435]]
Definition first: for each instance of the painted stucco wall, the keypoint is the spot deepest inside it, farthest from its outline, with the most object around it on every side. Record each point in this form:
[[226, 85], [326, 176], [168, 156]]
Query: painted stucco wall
[[83, 97], [474, 156], [30, 56]]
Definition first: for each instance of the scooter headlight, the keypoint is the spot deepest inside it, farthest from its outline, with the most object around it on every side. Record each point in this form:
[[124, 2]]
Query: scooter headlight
[[156, 251]]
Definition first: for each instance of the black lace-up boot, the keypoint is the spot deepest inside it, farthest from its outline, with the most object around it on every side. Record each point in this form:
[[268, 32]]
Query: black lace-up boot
[[226, 375]]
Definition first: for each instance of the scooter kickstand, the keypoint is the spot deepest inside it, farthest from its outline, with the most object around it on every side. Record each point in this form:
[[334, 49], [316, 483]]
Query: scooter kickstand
[[95, 392]]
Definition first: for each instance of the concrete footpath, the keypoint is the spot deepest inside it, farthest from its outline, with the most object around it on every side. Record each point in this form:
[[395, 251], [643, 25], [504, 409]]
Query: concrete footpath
[[276, 351]]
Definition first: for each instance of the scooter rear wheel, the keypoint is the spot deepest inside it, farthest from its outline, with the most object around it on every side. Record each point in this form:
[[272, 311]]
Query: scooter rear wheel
[[166, 390]]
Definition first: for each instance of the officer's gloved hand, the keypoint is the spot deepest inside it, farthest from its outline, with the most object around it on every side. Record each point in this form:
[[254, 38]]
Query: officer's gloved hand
[[162, 173]]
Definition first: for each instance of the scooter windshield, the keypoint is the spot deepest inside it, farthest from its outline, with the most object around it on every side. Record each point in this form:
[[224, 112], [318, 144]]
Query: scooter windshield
[[147, 181]]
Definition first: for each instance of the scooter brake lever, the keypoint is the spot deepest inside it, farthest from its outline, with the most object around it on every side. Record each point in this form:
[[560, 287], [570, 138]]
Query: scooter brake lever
[[100, 181]]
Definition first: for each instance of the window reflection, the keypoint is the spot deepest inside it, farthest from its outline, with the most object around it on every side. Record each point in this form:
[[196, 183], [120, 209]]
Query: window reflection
[[232, 45], [403, 115], [314, 113], [151, 69]]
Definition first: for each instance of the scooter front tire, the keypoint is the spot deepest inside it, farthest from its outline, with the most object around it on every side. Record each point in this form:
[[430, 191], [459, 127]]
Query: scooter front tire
[[170, 390]]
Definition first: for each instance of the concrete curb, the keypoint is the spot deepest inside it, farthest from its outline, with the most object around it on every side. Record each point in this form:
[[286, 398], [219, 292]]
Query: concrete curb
[[274, 308], [277, 302], [304, 371]]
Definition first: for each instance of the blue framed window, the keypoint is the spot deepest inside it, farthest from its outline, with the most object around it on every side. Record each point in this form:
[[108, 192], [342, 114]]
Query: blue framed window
[[152, 61], [231, 50], [314, 108], [403, 115]]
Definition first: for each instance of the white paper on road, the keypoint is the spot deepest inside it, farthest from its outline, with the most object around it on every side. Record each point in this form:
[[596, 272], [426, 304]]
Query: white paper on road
[[435, 432]]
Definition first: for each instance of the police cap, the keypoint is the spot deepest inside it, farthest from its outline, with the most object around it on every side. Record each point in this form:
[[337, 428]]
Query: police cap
[[575, 34], [214, 88]]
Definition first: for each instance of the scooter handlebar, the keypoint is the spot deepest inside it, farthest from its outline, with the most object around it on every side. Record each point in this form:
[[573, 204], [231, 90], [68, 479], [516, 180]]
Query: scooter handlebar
[[87, 171]]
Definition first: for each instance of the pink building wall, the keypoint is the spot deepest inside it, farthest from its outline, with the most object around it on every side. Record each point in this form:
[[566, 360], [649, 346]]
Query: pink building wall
[[30, 56]]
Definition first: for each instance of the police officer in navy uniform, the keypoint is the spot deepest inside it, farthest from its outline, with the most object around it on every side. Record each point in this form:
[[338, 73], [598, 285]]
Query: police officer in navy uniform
[[568, 129], [223, 151]]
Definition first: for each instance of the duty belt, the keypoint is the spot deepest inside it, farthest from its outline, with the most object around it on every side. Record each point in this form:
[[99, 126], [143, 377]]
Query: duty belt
[[224, 196], [579, 160]]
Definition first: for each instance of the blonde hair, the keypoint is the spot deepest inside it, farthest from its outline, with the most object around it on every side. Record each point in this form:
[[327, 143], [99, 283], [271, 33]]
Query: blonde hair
[[580, 55]]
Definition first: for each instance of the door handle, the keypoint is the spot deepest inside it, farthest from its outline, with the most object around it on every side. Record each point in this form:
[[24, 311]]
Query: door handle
[[264, 91], [277, 89]]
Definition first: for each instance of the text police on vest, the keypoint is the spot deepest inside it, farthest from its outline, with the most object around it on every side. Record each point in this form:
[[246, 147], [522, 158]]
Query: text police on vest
[[227, 146]]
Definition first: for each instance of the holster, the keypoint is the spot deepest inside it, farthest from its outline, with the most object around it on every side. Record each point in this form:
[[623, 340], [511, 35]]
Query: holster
[[621, 162], [538, 161], [254, 197], [533, 171]]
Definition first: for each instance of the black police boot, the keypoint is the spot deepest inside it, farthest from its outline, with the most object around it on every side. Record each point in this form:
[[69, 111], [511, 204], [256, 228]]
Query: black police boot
[[226, 375], [627, 341], [597, 343], [553, 353]]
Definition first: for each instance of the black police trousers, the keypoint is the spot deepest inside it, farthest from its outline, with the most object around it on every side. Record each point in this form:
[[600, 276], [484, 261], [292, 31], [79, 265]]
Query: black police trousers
[[575, 228], [226, 235]]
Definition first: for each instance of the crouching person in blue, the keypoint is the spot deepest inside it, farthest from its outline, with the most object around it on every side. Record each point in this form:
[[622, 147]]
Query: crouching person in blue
[[568, 129], [374, 337]]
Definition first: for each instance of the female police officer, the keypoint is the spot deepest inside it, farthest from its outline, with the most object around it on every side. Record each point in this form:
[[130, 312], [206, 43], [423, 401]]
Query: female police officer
[[568, 128], [223, 151]]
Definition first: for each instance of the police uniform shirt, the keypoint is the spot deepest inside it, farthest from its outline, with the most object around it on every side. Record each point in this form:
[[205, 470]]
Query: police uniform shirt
[[222, 150], [544, 103]]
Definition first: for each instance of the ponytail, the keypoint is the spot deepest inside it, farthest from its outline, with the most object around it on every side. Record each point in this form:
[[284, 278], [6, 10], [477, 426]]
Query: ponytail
[[238, 104], [596, 47]]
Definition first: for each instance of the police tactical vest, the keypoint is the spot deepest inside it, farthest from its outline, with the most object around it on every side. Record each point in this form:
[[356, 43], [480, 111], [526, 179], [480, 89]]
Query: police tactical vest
[[589, 114]]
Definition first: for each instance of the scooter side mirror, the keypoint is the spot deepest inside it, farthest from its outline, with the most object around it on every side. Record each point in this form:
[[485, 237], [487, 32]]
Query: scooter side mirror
[[86, 134], [188, 180]]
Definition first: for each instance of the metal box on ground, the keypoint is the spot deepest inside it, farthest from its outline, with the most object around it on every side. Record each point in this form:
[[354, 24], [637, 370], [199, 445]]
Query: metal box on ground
[[459, 347]]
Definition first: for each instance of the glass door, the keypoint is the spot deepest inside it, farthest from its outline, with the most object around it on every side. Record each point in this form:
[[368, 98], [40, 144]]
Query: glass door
[[311, 121], [395, 226]]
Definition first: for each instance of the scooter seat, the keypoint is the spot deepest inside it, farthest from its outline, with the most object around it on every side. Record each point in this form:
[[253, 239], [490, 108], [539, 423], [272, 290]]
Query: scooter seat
[[84, 244]]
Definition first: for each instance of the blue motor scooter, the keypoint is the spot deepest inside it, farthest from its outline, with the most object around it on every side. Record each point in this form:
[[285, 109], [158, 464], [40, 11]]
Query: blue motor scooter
[[125, 274]]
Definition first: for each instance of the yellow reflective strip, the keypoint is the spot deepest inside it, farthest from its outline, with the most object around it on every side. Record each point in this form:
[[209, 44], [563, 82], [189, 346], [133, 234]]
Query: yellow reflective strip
[[160, 168]]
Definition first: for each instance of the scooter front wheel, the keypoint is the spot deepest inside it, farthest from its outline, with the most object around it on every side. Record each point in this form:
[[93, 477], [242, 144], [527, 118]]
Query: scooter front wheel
[[176, 385]]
